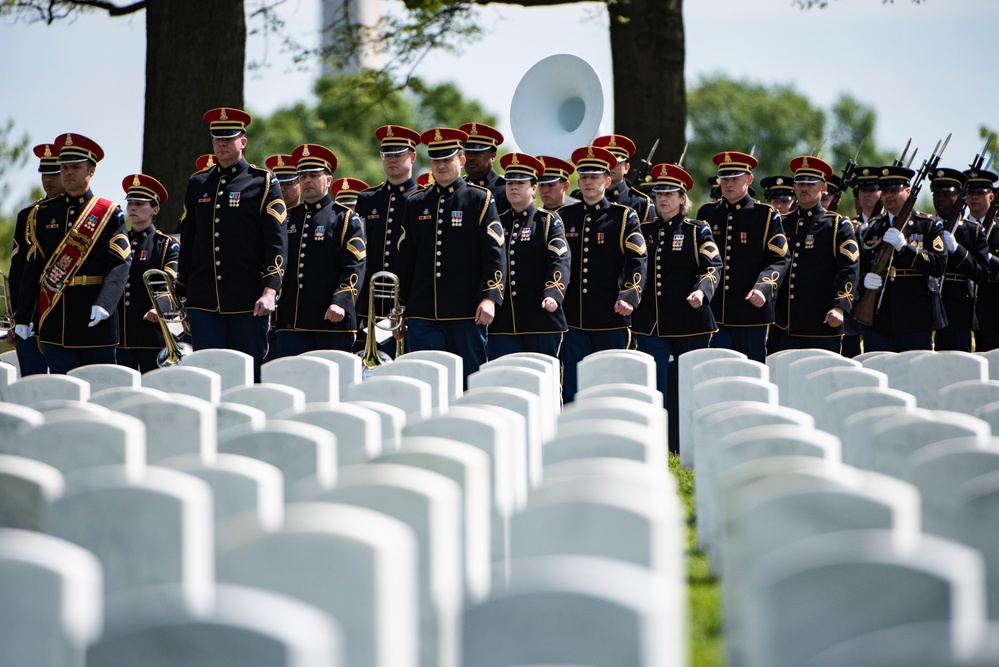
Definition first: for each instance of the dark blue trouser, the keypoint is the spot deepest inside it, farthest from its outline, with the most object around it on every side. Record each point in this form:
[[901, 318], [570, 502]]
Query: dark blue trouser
[[30, 358], [576, 344], [243, 332], [292, 343], [665, 351], [883, 341], [782, 340], [141, 359], [543, 343], [61, 359], [751, 341], [462, 337], [952, 340]]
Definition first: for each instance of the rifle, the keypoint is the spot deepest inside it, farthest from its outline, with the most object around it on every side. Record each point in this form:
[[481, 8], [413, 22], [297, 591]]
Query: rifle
[[643, 175], [989, 221], [957, 212], [848, 173], [868, 305]]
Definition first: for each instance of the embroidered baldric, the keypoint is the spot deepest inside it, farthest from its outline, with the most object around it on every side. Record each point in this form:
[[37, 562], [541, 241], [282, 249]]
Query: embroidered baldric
[[71, 253]]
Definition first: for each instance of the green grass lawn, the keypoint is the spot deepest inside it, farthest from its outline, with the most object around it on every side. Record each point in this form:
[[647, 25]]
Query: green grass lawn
[[704, 613]]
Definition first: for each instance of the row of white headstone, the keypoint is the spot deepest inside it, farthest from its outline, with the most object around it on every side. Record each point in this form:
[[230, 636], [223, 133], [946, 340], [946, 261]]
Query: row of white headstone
[[848, 505], [190, 517]]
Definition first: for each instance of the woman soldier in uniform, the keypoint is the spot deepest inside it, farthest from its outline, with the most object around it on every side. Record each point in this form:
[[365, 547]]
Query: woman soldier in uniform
[[531, 318], [674, 315], [141, 337]]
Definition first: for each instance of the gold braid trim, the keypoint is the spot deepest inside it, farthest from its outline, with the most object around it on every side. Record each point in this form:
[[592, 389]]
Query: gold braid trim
[[771, 280], [496, 283], [349, 286], [276, 268], [557, 283], [709, 275], [847, 293], [635, 284]]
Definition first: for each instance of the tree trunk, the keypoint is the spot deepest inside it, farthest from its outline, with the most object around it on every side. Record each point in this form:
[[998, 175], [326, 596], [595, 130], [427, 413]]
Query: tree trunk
[[650, 98], [182, 83]]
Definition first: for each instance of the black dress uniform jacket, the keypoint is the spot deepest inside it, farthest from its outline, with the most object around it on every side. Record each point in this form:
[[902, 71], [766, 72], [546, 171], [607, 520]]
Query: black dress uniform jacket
[[330, 273], [609, 260], [967, 268], [19, 255], [906, 300], [988, 290], [641, 203], [151, 249], [382, 210], [496, 184], [824, 273], [105, 270], [750, 238], [683, 258], [233, 242], [451, 252], [539, 264]]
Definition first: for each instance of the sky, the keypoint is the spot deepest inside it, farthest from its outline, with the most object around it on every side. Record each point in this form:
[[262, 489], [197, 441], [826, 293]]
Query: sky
[[925, 68]]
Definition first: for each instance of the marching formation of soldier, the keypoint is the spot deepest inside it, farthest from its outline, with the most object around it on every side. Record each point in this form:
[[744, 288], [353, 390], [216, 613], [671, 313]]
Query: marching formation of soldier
[[274, 261]]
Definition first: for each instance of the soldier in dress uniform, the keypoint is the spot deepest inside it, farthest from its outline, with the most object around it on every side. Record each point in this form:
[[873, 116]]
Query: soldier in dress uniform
[[346, 191], [714, 193], [750, 237], [140, 335], [77, 266], [480, 155], [910, 308], [382, 210], [967, 264], [234, 244], [980, 197], [620, 190], [316, 311], [866, 198], [867, 192], [284, 169], [609, 262], [452, 259], [833, 186], [675, 316], [30, 359], [778, 191], [820, 289], [553, 183], [531, 318]]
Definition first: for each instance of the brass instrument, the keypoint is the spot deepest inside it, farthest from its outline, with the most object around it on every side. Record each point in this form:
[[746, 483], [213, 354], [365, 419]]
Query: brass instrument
[[385, 313], [7, 319], [171, 314]]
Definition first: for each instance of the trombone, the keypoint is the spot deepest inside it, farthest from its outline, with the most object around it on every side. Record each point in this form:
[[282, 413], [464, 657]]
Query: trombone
[[385, 313], [7, 319], [171, 316]]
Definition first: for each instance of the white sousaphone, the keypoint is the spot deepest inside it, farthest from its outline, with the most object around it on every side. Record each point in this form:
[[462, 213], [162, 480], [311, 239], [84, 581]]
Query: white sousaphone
[[557, 106]]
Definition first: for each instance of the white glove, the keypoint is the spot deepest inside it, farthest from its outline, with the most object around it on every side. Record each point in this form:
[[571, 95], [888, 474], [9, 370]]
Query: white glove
[[24, 331], [873, 281], [97, 315], [949, 241], [895, 238]]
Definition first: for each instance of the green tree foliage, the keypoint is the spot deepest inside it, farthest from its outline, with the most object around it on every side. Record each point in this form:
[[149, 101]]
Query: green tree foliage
[[728, 114], [350, 108], [14, 152]]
